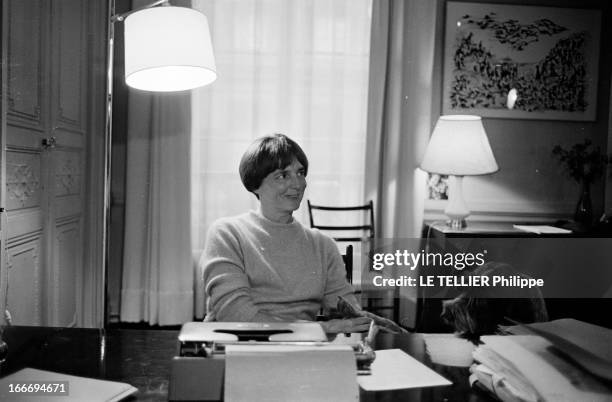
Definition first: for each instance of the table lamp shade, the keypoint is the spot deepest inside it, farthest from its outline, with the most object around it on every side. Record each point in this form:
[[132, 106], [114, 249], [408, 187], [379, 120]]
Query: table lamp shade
[[168, 49], [459, 146]]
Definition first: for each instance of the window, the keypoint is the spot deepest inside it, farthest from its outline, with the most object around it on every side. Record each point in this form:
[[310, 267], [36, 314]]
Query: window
[[295, 67]]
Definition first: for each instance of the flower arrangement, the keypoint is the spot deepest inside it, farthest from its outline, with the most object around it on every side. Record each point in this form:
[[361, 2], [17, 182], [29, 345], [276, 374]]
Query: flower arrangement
[[582, 161]]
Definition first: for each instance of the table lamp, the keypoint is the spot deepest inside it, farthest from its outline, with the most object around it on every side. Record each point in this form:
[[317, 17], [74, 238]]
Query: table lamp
[[458, 147]]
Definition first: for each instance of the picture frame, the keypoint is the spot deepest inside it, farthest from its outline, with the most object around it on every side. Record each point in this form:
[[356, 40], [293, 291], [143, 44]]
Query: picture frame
[[548, 55]]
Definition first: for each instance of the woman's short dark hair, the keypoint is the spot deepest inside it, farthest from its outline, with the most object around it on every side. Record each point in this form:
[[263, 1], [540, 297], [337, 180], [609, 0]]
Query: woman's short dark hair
[[265, 155]]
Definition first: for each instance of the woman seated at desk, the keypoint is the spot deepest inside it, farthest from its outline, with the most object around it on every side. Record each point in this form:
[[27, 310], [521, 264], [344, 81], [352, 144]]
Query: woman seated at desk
[[264, 265]]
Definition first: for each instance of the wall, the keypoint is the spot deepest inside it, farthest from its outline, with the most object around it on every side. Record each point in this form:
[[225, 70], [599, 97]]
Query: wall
[[530, 184]]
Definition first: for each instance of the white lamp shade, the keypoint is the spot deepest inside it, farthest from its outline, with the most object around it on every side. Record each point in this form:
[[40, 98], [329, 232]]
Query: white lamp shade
[[459, 146], [168, 49]]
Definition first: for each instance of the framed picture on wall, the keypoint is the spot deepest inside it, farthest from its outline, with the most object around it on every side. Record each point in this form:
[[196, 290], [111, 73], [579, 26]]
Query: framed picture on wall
[[525, 62]]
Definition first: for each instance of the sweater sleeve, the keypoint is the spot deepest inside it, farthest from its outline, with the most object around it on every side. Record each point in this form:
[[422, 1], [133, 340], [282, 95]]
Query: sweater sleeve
[[336, 283], [226, 283]]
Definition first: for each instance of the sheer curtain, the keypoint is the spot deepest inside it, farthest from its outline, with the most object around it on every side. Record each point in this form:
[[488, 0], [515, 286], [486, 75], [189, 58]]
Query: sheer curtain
[[295, 67], [157, 285]]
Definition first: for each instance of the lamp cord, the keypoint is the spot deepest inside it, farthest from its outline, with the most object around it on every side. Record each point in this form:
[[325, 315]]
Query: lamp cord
[[428, 236]]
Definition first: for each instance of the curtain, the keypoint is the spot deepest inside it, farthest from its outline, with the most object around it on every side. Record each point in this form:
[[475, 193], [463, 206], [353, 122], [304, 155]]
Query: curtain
[[295, 67], [400, 119], [157, 282]]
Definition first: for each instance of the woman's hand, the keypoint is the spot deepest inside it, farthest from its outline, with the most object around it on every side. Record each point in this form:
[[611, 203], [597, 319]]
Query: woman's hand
[[347, 325], [348, 310]]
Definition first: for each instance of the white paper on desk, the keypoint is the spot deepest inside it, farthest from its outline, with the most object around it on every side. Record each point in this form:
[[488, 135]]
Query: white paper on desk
[[449, 350], [79, 388], [539, 229], [394, 369], [290, 373]]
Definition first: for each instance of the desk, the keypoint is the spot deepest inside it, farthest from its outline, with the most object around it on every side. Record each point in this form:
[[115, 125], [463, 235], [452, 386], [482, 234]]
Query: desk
[[575, 266], [142, 358], [439, 230]]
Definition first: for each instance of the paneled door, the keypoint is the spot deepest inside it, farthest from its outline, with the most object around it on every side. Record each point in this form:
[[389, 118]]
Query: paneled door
[[26, 161], [46, 152]]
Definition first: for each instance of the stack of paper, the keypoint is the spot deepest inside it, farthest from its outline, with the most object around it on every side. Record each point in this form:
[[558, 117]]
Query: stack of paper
[[532, 368], [75, 388], [595, 339]]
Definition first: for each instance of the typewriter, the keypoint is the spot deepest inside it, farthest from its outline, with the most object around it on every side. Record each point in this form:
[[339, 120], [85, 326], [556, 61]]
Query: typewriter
[[197, 372]]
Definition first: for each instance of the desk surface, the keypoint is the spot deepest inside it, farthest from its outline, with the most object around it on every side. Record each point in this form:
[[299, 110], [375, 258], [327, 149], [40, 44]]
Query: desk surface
[[142, 358], [490, 229]]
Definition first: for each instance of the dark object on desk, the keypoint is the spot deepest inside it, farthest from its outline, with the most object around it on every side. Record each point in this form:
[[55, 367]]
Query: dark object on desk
[[54, 349], [479, 311], [602, 228]]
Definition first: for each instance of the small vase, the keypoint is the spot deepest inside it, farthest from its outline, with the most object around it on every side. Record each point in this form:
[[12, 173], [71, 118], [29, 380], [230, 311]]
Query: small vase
[[584, 208]]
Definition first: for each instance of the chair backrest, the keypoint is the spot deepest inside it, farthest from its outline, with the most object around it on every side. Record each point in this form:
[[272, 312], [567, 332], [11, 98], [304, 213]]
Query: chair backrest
[[347, 257], [367, 227]]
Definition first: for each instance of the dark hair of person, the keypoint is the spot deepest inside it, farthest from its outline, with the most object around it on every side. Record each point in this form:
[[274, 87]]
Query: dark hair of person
[[265, 155]]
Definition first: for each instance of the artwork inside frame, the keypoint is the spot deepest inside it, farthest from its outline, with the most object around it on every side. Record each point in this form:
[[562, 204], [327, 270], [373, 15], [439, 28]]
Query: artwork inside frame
[[549, 55]]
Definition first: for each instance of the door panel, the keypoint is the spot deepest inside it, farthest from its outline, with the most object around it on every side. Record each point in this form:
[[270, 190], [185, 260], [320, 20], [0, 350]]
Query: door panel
[[23, 137], [69, 54], [24, 296], [66, 272], [68, 173], [26, 68], [67, 247], [23, 180]]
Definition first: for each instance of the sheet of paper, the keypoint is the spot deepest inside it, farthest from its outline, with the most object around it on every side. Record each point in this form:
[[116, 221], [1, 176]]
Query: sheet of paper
[[449, 350], [290, 373], [591, 337], [79, 388], [541, 229], [394, 369]]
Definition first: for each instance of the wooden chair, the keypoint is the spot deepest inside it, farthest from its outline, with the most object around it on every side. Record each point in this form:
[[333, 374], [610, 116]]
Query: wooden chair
[[375, 305], [347, 257], [367, 228]]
